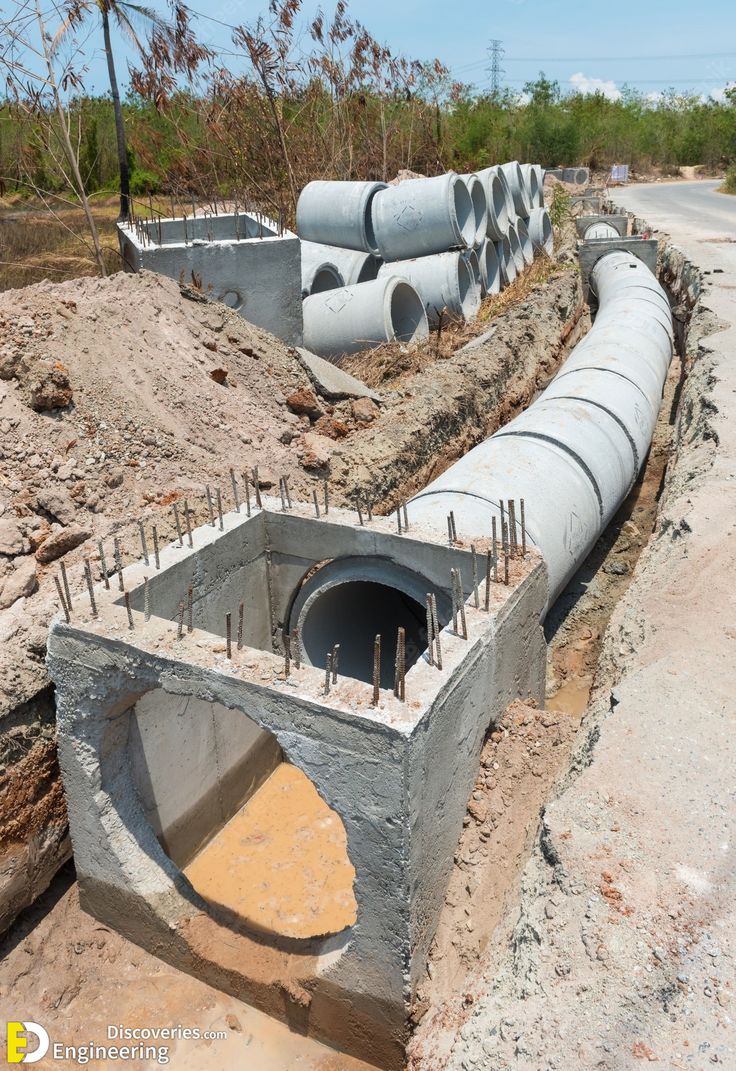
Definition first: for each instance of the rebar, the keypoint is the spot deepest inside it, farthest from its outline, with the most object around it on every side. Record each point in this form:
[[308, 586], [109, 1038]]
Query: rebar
[[398, 518], [512, 527], [335, 661], [62, 600], [376, 670], [316, 502], [241, 612], [190, 608], [144, 543], [430, 631], [523, 527], [246, 483], [287, 654], [103, 564], [65, 581], [328, 673], [118, 563], [256, 487], [156, 558], [360, 514], [474, 557], [146, 600], [210, 506], [282, 492], [234, 484], [228, 635], [219, 509], [459, 596], [90, 589], [126, 598], [178, 524], [489, 562], [436, 630], [406, 518], [180, 627], [401, 653], [285, 478], [296, 648], [327, 496], [188, 522]]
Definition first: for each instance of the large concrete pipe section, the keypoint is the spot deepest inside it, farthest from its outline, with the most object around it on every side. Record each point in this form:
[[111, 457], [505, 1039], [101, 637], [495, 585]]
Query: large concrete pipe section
[[445, 283], [575, 453], [338, 213], [423, 216], [515, 246], [506, 261], [471, 258], [600, 230], [517, 188], [490, 269], [525, 242], [352, 265], [539, 226], [530, 174], [358, 317], [319, 269], [496, 200], [480, 207]]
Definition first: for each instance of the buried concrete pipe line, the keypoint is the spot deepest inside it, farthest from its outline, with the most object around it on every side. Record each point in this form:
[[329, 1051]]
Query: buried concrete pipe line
[[445, 283], [479, 201], [575, 453], [517, 188], [506, 263], [358, 317], [515, 246], [353, 265], [539, 226], [423, 216], [600, 230], [497, 219], [490, 269], [527, 249], [338, 213]]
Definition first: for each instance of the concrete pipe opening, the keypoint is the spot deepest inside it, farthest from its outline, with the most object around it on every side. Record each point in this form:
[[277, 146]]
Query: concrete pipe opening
[[480, 207], [515, 246], [527, 249], [498, 216], [464, 214], [350, 601], [325, 278], [490, 269], [408, 318]]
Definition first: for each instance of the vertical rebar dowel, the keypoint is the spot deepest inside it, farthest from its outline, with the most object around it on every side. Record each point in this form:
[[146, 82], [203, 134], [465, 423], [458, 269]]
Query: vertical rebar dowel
[[505, 566], [103, 563], [401, 645], [118, 563], [461, 603], [180, 625], [453, 592], [360, 514], [246, 483], [436, 630], [512, 527], [454, 527], [287, 491], [476, 596], [234, 484], [376, 670], [489, 562], [316, 502], [494, 539], [287, 654], [190, 608], [398, 518], [144, 544], [62, 600], [327, 497], [430, 631], [505, 537], [369, 508], [406, 517], [523, 527], [396, 669], [335, 662], [188, 523], [126, 597], [241, 612], [90, 589], [296, 649], [177, 522], [229, 635], [282, 492], [449, 528], [156, 558], [210, 506], [328, 673], [256, 487], [219, 509], [65, 582]]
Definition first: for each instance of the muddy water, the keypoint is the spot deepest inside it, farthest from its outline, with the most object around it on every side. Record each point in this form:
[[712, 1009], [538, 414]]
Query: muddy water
[[281, 863]]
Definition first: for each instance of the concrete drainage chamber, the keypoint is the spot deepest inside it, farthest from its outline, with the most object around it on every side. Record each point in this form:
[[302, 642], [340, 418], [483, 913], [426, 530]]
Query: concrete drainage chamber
[[283, 830]]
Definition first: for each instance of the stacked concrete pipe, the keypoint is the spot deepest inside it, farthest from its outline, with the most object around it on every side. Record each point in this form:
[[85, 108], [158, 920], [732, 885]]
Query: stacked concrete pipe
[[506, 262], [515, 246], [338, 214], [574, 455], [445, 281], [539, 226], [351, 265], [525, 242], [368, 314], [497, 219], [478, 198], [319, 269], [423, 216], [490, 269], [518, 188]]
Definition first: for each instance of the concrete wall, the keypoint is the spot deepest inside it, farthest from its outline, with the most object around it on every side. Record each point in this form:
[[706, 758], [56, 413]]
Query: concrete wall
[[260, 278], [221, 759]]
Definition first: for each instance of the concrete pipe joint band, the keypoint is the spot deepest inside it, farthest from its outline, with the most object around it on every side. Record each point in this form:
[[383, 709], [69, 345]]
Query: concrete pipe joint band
[[506, 261], [515, 246], [497, 219], [517, 188], [479, 201], [539, 226], [490, 269], [338, 213], [423, 216], [444, 281], [575, 453], [358, 317], [527, 249], [353, 265], [600, 230]]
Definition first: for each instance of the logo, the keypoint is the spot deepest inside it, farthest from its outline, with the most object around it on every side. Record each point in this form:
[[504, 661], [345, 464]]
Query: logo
[[18, 1043]]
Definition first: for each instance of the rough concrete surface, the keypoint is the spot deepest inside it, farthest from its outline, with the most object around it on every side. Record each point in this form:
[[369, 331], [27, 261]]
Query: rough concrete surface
[[622, 948]]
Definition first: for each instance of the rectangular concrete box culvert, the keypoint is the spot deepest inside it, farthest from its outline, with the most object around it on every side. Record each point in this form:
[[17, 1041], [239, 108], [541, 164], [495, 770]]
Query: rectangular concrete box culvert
[[592, 249], [244, 260], [397, 774]]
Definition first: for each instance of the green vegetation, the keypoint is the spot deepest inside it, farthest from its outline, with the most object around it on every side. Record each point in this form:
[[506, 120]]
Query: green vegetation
[[729, 186]]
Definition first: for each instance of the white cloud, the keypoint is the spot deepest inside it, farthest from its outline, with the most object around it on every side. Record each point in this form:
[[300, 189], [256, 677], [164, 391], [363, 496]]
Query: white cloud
[[719, 95], [582, 84]]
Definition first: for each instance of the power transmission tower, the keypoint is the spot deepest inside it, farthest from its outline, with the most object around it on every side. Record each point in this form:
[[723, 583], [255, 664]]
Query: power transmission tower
[[495, 52]]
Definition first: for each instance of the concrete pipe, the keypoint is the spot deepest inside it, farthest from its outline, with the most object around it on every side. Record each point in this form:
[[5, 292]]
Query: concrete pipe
[[472, 259], [444, 282], [600, 230], [477, 193], [490, 269], [338, 213], [575, 453], [358, 317], [353, 265], [530, 175], [423, 216], [506, 263], [510, 206], [539, 226], [540, 183], [517, 188], [527, 249], [319, 270], [515, 245], [497, 220]]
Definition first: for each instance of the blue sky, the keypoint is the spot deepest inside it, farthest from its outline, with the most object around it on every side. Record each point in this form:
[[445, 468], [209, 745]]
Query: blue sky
[[649, 45]]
